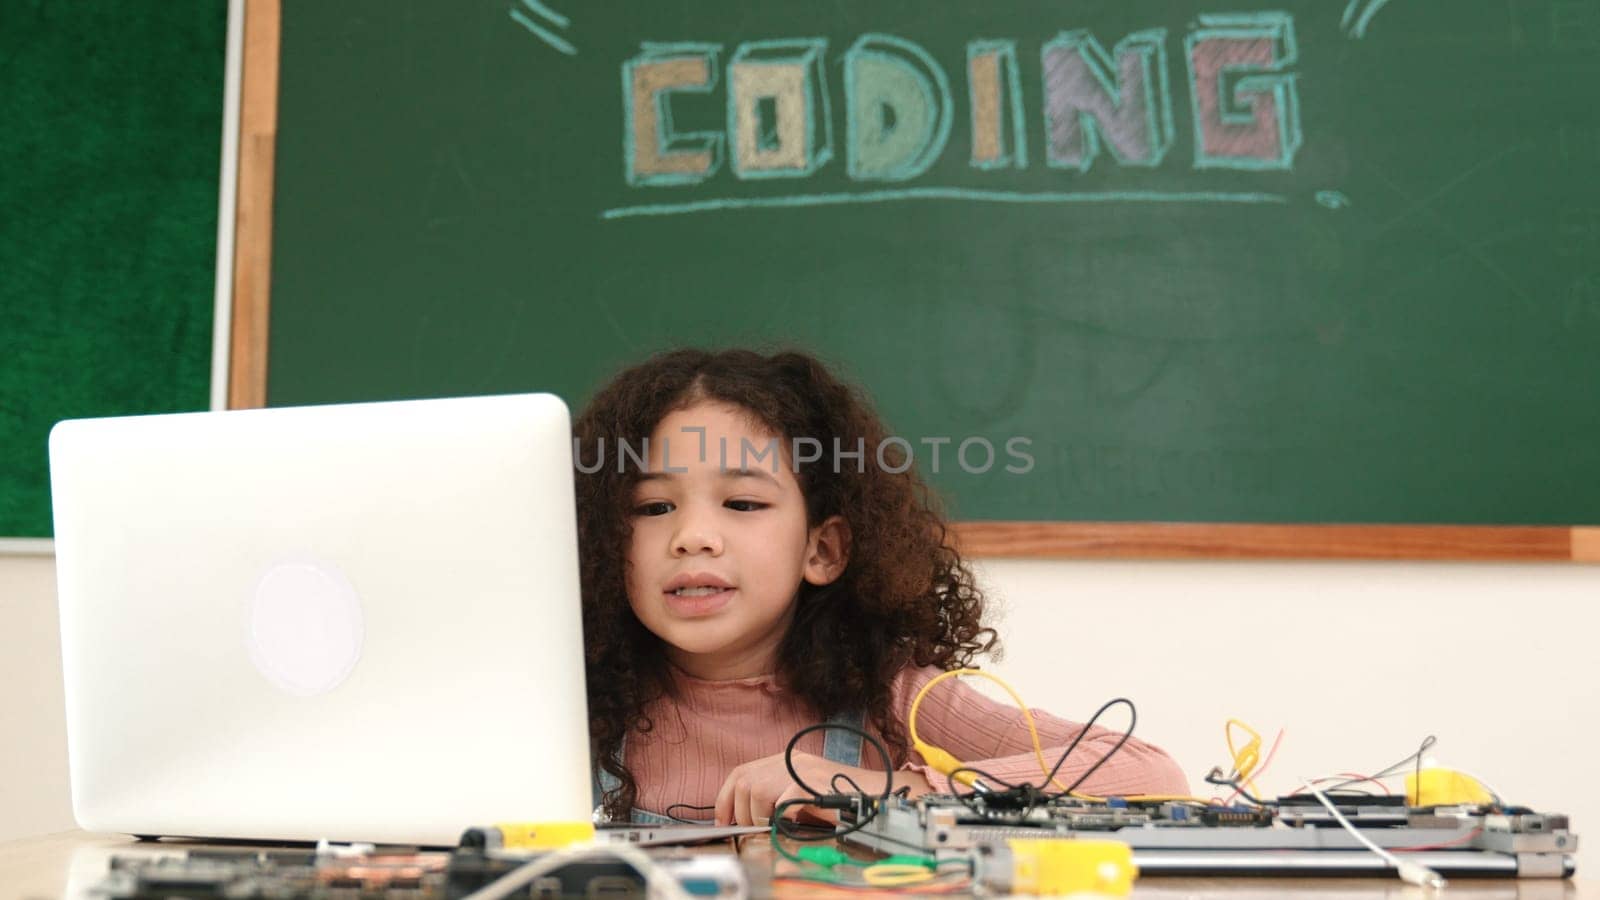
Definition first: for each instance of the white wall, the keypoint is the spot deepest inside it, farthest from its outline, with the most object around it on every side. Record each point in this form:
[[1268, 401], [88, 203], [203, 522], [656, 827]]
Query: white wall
[[1358, 661], [33, 736]]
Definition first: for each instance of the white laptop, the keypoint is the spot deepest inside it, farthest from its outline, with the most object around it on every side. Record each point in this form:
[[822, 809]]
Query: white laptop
[[353, 623]]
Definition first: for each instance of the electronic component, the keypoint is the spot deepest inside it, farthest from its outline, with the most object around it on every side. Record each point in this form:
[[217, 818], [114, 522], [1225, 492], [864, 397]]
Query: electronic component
[[1188, 839], [527, 835], [1234, 816], [226, 874], [1363, 810], [1055, 866]]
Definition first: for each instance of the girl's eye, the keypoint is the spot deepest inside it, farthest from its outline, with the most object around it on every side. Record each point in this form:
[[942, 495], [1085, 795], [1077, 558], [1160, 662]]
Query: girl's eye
[[655, 508], [745, 505]]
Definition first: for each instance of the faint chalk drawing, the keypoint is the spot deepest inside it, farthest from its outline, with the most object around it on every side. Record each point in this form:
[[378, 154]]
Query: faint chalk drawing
[[492, 364], [1322, 248], [551, 18], [1333, 199], [1447, 226], [979, 320], [993, 392], [440, 333], [1096, 471], [1414, 207], [1583, 301], [1575, 24], [1121, 373], [1579, 143], [604, 305], [1358, 15], [1578, 233]]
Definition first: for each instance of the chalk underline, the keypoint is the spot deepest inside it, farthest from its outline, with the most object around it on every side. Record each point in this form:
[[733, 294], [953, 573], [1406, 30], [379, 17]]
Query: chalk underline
[[937, 193]]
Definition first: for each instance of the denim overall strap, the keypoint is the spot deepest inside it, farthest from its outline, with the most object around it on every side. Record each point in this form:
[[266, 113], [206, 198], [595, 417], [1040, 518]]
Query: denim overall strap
[[605, 781], [602, 782], [844, 747]]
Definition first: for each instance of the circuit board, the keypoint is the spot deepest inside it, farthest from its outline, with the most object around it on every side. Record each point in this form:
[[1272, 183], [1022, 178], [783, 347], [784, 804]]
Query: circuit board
[[400, 874], [1294, 835]]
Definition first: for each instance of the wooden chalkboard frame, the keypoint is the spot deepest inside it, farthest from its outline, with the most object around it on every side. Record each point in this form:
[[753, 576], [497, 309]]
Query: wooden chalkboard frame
[[247, 388]]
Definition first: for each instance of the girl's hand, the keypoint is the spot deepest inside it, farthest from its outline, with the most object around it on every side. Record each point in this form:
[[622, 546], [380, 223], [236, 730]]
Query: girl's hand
[[754, 789]]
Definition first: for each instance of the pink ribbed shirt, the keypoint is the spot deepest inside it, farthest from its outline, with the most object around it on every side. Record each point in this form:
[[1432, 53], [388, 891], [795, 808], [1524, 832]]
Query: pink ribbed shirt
[[714, 726]]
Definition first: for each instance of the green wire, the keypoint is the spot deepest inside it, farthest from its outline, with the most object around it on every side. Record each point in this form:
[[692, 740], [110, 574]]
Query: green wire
[[817, 863]]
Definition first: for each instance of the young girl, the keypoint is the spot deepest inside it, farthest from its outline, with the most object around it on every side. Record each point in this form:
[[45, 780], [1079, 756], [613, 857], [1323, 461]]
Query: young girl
[[747, 572]]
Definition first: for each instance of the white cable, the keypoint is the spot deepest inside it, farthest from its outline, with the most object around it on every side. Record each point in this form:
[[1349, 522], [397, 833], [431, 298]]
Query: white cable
[[1395, 769], [1410, 872], [1427, 765], [659, 883]]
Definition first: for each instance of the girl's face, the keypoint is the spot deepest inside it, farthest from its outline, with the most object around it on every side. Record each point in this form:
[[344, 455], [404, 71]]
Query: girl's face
[[720, 544]]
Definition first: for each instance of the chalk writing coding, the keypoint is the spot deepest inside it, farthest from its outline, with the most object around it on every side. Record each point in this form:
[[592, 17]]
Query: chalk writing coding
[[1100, 106]]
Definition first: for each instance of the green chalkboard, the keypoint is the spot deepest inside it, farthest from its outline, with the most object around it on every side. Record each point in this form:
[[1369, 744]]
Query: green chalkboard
[[1217, 260], [110, 130]]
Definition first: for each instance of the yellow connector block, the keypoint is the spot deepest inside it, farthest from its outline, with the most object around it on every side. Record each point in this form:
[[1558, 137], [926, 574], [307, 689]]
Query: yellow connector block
[[1044, 866], [1446, 787], [537, 835]]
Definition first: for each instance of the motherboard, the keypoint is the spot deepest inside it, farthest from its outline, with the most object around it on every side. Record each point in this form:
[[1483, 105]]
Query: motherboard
[[1294, 835]]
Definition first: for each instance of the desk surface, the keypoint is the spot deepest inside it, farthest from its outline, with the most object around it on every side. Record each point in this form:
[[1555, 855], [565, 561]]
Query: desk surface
[[66, 865]]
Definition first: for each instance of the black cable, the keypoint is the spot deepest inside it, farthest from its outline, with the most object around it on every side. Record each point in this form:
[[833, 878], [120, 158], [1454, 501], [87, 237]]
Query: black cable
[[987, 779], [832, 801], [1000, 796], [971, 804], [1133, 719], [833, 783], [1418, 779], [801, 831], [795, 830], [1026, 795], [1213, 778], [676, 818], [1427, 742]]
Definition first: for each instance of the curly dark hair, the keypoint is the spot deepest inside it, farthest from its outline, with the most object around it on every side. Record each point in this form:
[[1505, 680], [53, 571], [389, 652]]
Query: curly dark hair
[[905, 597]]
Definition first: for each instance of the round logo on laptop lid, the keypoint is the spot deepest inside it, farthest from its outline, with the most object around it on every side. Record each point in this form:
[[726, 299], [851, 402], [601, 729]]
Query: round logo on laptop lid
[[305, 627]]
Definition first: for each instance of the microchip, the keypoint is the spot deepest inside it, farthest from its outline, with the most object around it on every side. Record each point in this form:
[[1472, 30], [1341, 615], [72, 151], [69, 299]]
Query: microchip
[[1236, 816]]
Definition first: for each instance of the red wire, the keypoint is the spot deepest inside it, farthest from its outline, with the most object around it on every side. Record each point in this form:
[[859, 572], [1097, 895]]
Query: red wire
[[1257, 773], [1375, 781], [1355, 775]]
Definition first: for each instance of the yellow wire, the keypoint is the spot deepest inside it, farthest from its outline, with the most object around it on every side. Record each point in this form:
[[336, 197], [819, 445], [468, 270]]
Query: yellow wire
[[895, 875], [1027, 716], [1246, 757], [930, 752]]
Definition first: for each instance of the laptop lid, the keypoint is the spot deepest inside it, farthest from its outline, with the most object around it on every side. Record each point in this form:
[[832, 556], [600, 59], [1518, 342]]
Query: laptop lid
[[355, 622]]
